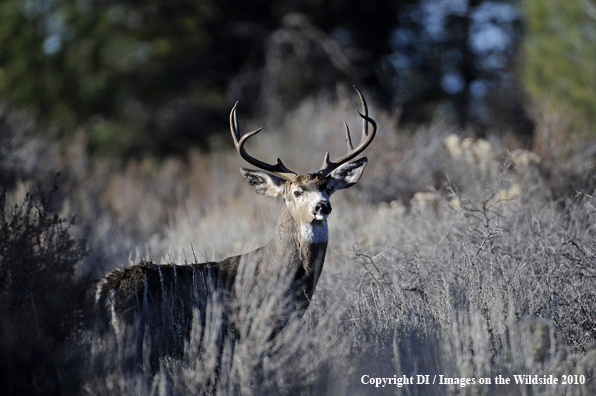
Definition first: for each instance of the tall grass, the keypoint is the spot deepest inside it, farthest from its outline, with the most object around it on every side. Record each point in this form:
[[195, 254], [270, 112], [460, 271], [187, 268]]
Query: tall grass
[[461, 258]]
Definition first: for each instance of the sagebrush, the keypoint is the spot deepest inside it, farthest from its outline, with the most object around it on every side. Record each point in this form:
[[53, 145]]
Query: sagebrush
[[457, 257]]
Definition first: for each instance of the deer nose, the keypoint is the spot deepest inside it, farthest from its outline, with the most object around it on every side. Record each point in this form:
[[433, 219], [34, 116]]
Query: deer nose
[[323, 208]]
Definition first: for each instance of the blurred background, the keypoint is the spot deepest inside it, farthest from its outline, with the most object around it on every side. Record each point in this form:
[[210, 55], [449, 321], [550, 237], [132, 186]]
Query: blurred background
[[155, 78], [476, 211]]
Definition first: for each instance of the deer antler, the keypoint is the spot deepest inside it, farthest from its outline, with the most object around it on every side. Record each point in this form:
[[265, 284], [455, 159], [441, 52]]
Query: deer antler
[[329, 166], [279, 168]]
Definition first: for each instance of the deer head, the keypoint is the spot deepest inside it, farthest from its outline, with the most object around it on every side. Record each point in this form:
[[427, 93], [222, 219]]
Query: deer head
[[306, 196]]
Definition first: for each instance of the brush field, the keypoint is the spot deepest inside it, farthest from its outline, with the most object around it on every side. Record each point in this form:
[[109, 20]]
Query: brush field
[[462, 258]]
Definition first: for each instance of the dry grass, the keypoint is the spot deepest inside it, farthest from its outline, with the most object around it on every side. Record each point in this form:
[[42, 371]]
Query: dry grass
[[490, 272]]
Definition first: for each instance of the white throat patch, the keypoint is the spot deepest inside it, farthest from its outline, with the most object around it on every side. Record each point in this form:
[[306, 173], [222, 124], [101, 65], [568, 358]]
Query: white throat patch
[[314, 233]]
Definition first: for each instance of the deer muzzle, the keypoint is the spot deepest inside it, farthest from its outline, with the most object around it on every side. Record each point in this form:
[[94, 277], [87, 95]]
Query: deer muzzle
[[322, 210]]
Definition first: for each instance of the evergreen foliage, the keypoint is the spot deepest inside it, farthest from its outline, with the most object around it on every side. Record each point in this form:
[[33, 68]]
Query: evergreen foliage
[[153, 77], [560, 54]]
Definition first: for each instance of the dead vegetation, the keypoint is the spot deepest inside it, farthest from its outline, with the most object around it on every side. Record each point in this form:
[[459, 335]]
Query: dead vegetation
[[458, 257]]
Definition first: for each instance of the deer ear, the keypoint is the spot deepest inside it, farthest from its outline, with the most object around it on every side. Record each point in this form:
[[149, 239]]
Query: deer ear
[[346, 175], [263, 183]]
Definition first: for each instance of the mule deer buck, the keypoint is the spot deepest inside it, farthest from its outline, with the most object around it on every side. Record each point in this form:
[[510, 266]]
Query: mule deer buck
[[162, 297]]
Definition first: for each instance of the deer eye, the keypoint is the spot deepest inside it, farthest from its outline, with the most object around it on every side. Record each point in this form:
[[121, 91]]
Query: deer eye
[[297, 193]]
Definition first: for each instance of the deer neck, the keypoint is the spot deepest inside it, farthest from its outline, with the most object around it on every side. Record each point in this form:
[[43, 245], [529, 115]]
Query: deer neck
[[301, 246]]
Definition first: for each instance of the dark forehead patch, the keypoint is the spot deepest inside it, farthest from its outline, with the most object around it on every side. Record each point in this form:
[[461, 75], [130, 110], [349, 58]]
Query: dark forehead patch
[[311, 180]]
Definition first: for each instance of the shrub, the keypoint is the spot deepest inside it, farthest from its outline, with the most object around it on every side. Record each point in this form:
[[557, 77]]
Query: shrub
[[41, 299]]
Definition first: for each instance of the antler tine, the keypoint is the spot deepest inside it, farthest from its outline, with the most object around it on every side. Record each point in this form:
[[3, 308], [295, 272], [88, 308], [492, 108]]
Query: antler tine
[[329, 166], [279, 168], [364, 111], [348, 138]]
